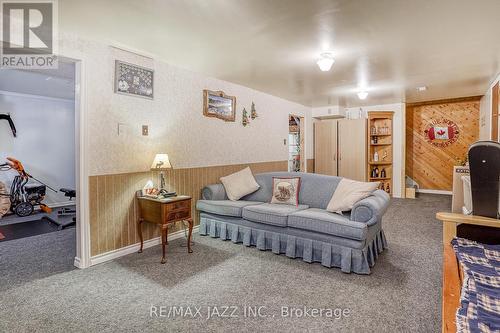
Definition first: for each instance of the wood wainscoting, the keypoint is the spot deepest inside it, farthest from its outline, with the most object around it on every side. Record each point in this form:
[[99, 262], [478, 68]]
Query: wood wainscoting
[[310, 165], [113, 208], [429, 165]]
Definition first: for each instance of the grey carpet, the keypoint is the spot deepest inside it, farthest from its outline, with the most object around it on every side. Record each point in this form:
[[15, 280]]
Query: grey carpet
[[26, 260], [401, 295]]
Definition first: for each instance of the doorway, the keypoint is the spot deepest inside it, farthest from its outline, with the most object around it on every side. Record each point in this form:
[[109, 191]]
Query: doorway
[[42, 105], [296, 158]]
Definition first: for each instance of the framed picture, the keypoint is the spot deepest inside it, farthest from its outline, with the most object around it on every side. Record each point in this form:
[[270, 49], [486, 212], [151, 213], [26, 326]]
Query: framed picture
[[219, 105], [133, 80]]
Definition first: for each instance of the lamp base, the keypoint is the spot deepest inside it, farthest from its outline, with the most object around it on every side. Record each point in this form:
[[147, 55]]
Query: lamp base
[[162, 180]]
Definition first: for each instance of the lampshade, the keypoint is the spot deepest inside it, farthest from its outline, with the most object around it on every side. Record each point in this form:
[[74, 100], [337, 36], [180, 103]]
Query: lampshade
[[161, 162]]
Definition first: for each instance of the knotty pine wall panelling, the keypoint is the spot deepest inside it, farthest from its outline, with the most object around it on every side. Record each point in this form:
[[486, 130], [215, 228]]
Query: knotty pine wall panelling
[[429, 165]]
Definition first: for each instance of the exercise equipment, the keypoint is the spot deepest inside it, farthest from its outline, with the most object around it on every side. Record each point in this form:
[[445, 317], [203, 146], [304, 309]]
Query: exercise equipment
[[11, 122], [66, 211], [23, 197], [66, 216]]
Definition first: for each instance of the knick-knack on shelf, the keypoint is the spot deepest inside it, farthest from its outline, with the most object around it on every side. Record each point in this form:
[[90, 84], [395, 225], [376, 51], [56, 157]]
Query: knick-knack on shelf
[[244, 120], [253, 112], [382, 173], [388, 188], [384, 155]]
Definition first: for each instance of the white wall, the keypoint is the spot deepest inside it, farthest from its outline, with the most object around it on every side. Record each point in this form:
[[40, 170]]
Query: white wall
[[175, 117], [45, 141], [398, 139], [327, 111]]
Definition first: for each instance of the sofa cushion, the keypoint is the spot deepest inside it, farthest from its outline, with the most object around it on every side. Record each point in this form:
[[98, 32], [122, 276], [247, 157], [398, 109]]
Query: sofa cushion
[[315, 190], [224, 207], [273, 214], [319, 220]]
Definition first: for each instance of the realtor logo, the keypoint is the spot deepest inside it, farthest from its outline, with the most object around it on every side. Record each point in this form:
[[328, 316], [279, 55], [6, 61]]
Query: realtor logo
[[28, 34]]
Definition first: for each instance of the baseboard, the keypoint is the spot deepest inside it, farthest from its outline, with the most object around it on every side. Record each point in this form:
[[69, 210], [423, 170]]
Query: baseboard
[[434, 191], [76, 263], [100, 258]]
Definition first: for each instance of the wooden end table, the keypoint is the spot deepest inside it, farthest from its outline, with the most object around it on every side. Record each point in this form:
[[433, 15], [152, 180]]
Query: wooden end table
[[164, 212]]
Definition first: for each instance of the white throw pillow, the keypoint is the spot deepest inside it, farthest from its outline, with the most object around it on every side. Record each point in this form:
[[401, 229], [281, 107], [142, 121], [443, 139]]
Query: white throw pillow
[[239, 184], [349, 192]]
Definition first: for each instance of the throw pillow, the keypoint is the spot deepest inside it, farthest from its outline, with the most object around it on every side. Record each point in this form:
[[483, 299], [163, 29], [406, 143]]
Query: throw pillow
[[239, 184], [349, 192], [286, 191]]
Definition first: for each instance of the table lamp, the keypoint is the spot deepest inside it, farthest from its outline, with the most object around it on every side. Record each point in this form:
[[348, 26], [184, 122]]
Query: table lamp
[[161, 163]]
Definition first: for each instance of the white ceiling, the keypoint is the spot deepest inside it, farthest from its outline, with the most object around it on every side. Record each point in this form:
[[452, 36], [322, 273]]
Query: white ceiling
[[388, 46], [56, 83]]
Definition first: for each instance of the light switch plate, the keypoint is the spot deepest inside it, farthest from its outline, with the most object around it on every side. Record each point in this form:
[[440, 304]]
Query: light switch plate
[[145, 130], [122, 129]]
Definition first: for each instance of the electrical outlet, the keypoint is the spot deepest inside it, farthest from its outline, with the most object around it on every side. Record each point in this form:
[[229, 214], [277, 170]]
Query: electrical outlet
[[145, 130]]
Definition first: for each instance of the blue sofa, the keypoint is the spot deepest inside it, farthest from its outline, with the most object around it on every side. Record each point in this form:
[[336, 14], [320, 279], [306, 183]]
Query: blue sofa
[[351, 241]]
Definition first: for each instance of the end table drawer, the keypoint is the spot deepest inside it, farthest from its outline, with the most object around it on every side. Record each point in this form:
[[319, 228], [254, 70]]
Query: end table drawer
[[178, 215], [180, 205]]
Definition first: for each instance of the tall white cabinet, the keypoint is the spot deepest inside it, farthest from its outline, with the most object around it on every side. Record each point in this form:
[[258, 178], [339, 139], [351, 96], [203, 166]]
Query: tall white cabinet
[[340, 148]]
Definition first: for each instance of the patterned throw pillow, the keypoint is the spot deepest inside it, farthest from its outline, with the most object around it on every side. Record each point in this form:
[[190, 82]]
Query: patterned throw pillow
[[286, 191]]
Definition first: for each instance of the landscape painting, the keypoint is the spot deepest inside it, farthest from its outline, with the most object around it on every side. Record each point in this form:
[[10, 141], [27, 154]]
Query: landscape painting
[[218, 105]]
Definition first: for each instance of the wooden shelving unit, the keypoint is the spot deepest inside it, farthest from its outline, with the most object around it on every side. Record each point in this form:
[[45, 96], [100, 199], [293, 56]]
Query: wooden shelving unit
[[379, 140]]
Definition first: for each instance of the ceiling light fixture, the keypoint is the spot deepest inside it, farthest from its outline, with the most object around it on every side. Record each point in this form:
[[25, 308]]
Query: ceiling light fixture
[[422, 88], [325, 61], [362, 95]]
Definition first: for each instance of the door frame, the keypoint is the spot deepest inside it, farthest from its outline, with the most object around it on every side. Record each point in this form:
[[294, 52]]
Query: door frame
[[82, 258]]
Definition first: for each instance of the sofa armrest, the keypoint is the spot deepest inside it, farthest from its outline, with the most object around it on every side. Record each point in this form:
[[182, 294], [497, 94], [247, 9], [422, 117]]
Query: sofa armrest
[[370, 210], [214, 192]]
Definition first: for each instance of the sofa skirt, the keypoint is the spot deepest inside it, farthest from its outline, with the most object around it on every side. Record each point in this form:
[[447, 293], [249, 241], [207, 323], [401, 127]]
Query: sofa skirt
[[329, 255]]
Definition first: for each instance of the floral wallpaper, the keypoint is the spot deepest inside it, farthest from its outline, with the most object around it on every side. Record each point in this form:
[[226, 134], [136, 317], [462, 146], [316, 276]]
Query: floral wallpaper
[[175, 117]]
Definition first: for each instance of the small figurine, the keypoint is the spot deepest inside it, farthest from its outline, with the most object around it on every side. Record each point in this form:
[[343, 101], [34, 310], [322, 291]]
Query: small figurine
[[253, 112], [244, 120]]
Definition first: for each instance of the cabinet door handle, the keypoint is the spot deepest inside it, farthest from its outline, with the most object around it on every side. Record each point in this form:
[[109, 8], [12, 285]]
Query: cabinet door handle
[[334, 156]]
